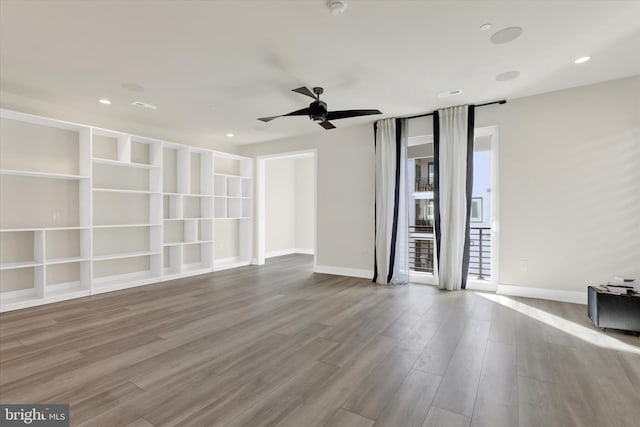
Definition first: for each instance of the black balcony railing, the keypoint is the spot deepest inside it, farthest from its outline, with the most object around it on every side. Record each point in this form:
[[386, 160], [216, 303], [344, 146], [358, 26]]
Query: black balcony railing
[[480, 253], [422, 184], [421, 247], [421, 250], [421, 255]]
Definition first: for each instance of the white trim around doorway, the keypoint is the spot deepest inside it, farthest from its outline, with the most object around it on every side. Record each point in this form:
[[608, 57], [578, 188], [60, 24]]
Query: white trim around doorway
[[261, 254]]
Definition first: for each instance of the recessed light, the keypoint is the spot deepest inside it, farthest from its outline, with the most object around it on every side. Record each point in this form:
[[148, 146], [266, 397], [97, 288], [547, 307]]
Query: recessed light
[[230, 135], [485, 27], [506, 35], [509, 75], [582, 60], [450, 93], [104, 101]]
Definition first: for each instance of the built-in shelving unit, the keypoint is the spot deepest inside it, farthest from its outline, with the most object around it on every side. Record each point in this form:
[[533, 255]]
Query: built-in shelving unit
[[233, 209], [44, 224], [188, 210], [86, 210], [127, 174]]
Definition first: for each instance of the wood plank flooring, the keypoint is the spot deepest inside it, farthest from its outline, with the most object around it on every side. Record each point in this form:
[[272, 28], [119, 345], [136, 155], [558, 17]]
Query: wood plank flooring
[[278, 345]]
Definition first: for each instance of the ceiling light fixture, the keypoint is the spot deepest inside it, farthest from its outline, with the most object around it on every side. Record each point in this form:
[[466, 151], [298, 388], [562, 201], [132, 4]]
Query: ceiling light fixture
[[485, 27], [450, 93], [230, 135], [582, 60], [104, 101], [144, 105], [509, 75], [336, 7], [506, 35]]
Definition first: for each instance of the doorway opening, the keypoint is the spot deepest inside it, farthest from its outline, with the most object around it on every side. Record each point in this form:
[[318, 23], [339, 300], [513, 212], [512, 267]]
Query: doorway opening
[[483, 259], [286, 205]]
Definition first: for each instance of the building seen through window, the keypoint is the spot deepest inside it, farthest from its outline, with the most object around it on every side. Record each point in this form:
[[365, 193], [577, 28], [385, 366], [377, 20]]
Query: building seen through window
[[421, 180]]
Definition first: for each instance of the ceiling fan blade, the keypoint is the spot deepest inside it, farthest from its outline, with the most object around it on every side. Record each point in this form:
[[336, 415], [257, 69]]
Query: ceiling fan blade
[[303, 112], [344, 114], [304, 91], [327, 125], [268, 119]]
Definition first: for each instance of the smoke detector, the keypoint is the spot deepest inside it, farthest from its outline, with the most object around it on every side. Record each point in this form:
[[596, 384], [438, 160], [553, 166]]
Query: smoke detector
[[336, 7]]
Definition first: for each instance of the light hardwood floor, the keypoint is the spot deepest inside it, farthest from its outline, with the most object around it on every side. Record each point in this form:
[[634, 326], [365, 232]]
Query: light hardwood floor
[[280, 345]]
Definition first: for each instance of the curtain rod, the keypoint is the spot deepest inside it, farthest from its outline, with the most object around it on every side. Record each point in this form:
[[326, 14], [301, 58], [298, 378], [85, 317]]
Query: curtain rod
[[501, 101]]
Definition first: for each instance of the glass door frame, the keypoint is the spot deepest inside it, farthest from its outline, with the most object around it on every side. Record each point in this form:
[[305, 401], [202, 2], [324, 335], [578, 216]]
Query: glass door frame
[[486, 285]]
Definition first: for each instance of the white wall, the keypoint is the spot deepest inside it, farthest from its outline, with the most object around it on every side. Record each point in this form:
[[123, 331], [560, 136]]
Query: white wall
[[304, 180], [280, 205], [289, 211], [569, 187]]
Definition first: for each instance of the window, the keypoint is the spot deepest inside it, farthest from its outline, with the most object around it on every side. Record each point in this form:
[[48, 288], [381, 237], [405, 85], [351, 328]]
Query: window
[[476, 209], [424, 175]]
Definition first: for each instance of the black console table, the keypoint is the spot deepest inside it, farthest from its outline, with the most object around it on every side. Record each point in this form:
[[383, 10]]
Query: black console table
[[614, 311]]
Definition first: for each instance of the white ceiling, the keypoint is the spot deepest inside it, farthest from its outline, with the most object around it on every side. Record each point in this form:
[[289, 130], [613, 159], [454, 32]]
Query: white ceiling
[[213, 67]]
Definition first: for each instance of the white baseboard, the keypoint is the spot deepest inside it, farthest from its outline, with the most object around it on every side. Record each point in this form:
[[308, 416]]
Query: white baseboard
[[229, 263], [575, 297], [289, 251], [343, 271], [304, 251], [480, 285]]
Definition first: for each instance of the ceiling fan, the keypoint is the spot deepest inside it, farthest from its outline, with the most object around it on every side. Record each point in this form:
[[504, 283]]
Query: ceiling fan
[[317, 110]]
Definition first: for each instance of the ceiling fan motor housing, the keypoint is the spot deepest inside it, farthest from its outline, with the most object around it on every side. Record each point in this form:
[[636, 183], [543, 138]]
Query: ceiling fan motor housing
[[318, 111]]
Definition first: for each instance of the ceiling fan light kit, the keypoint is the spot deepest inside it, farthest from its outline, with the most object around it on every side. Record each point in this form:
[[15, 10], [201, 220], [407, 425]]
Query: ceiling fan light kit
[[318, 112]]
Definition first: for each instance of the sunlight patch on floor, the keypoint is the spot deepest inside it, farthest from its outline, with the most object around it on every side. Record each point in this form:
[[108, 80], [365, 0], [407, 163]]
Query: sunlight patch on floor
[[586, 334]]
